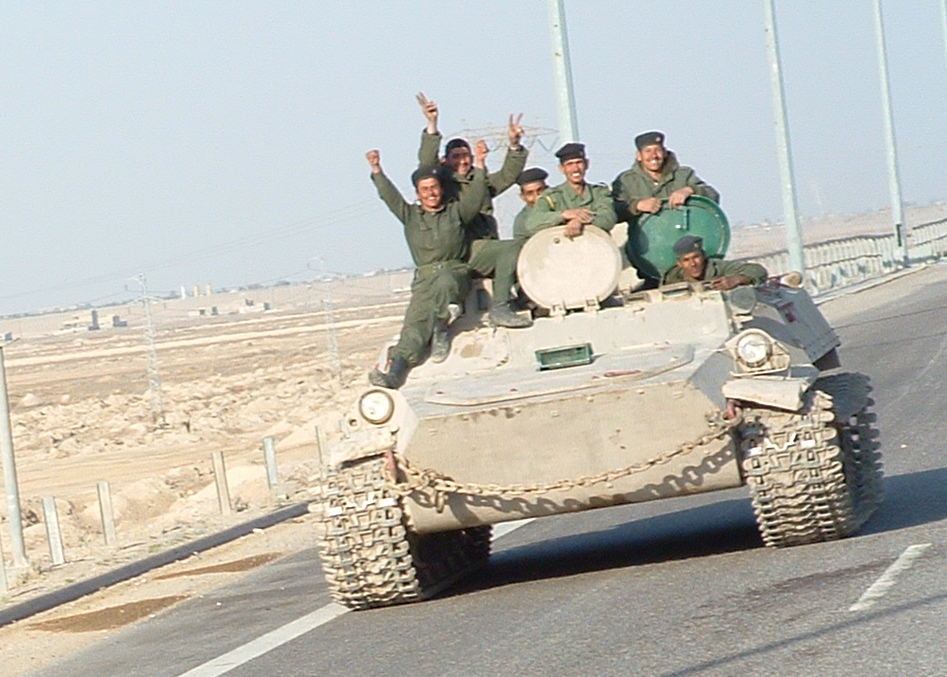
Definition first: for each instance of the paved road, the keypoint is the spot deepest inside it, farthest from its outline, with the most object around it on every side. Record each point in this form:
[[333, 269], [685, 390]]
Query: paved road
[[679, 587]]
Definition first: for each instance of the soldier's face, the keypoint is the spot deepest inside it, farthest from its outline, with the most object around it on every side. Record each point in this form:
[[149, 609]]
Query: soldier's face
[[429, 193], [652, 157], [530, 192], [574, 170], [692, 263], [460, 160]]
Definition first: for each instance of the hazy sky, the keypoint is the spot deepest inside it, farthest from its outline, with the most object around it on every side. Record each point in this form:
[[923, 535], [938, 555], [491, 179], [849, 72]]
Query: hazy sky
[[223, 142]]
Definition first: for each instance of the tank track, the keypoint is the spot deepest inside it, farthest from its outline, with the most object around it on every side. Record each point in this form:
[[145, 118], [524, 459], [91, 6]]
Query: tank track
[[369, 555], [814, 475]]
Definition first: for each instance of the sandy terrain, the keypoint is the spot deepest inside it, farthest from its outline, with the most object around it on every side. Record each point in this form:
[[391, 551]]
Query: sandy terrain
[[81, 414]]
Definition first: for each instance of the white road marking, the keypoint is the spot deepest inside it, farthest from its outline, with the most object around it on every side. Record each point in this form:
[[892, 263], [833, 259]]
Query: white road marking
[[287, 633], [268, 642], [880, 588]]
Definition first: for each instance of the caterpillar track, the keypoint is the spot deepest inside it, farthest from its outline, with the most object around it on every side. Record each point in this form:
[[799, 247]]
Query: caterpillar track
[[371, 558], [814, 475]]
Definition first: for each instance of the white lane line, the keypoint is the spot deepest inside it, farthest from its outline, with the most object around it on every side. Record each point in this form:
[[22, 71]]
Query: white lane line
[[880, 588], [268, 642], [287, 633]]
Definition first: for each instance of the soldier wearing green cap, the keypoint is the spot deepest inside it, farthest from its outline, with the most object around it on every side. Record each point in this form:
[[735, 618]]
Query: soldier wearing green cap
[[437, 237], [574, 203], [693, 265], [488, 256]]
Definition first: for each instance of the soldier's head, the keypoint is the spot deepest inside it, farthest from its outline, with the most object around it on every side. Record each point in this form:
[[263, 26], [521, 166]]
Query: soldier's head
[[691, 257], [532, 184], [428, 186], [457, 156], [651, 153], [573, 163]]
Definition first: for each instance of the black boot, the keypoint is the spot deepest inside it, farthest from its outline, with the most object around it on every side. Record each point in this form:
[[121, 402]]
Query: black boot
[[502, 315], [440, 343], [394, 378]]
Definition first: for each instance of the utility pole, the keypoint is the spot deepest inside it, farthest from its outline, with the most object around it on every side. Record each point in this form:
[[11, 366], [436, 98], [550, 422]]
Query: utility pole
[[11, 488], [154, 374], [797, 260], [562, 64]]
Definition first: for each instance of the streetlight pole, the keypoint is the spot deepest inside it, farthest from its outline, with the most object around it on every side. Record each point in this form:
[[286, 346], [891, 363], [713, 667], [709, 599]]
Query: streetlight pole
[[562, 65], [783, 149], [894, 182]]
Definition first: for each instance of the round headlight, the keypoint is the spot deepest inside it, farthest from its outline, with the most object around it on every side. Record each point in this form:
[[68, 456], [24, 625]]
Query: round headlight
[[376, 406], [753, 349]]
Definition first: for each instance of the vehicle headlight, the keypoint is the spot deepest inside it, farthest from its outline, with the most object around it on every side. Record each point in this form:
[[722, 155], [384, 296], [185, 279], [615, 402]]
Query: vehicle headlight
[[754, 348], [376, 406]]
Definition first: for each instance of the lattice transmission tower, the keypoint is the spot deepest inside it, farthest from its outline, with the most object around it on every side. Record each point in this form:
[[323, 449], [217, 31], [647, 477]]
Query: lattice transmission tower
[[154, 373]]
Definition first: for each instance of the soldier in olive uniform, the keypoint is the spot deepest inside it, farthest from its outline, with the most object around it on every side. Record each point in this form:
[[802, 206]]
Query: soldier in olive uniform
[[655, 176], [488, 256], [532, 183], [694, 266], [574, 203], [436, 233]]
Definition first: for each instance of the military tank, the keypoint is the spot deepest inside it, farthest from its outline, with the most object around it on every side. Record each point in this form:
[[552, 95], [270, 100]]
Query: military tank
[[612, 397]]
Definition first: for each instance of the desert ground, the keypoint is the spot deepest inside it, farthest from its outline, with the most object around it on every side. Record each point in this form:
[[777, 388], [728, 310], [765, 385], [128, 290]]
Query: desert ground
[[233, 370]]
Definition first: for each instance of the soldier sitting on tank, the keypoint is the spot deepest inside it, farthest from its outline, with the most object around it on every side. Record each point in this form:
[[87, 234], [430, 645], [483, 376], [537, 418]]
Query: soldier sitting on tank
[[487, 255], [574, 203], [693, 265], [532, 183], [436, 233], [654, 176]]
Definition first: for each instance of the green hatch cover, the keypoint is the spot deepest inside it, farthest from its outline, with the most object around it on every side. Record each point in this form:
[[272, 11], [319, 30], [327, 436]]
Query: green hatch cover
[[650, 241]]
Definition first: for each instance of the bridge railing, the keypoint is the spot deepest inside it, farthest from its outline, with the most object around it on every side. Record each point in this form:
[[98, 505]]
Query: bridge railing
[[844, 262]]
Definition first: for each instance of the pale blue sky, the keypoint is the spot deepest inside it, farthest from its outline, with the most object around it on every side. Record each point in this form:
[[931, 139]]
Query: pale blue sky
[[223, 142]]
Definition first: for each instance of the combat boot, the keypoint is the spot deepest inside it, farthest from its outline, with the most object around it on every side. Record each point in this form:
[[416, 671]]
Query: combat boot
[[502, 315], [440, 343], [394, 378]]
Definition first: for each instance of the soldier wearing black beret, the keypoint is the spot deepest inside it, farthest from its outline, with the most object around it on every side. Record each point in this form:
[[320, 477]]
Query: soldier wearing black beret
[[654, 178], [532, 183], [693, 265], [574, 203]]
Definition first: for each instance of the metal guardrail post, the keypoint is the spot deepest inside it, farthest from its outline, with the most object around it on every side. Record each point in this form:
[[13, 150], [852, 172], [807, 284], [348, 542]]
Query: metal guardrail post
[[220, 477], [269, 459], [105, 511], [53, 532], [14, 515]]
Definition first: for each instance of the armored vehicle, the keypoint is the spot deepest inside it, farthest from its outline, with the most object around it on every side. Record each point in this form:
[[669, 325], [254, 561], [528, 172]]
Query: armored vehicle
[[611, 397]]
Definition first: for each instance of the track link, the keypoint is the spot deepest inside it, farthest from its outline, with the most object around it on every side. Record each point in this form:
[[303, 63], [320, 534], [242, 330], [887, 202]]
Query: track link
[[371, 558], [813, 475]]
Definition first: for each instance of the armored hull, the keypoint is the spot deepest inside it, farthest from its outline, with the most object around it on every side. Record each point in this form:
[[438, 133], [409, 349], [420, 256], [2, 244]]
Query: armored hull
[[611, 398]]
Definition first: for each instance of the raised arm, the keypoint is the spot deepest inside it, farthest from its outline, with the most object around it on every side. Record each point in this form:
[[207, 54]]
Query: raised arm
[[472, 199], [386, 189], [430, 137], [515, 161]]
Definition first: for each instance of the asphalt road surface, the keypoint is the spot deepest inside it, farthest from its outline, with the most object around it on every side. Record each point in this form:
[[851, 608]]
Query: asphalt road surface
[[680, 587]]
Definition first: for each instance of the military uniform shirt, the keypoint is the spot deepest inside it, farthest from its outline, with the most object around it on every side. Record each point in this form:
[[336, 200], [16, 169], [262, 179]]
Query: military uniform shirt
[[548, 209], [636, 184], [718, 268]]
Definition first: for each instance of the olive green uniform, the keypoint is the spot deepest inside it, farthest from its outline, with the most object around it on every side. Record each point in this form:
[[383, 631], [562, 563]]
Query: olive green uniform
[[547, 211], [718, 268], [487, 256], [438, 244], [519, 223], [636, 184]]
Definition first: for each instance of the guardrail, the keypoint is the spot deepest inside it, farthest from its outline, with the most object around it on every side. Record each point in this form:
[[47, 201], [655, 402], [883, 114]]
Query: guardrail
[[847, 261]]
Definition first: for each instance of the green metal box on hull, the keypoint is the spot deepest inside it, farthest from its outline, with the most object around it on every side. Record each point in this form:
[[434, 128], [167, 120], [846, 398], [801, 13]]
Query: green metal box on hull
[[668, 392]]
